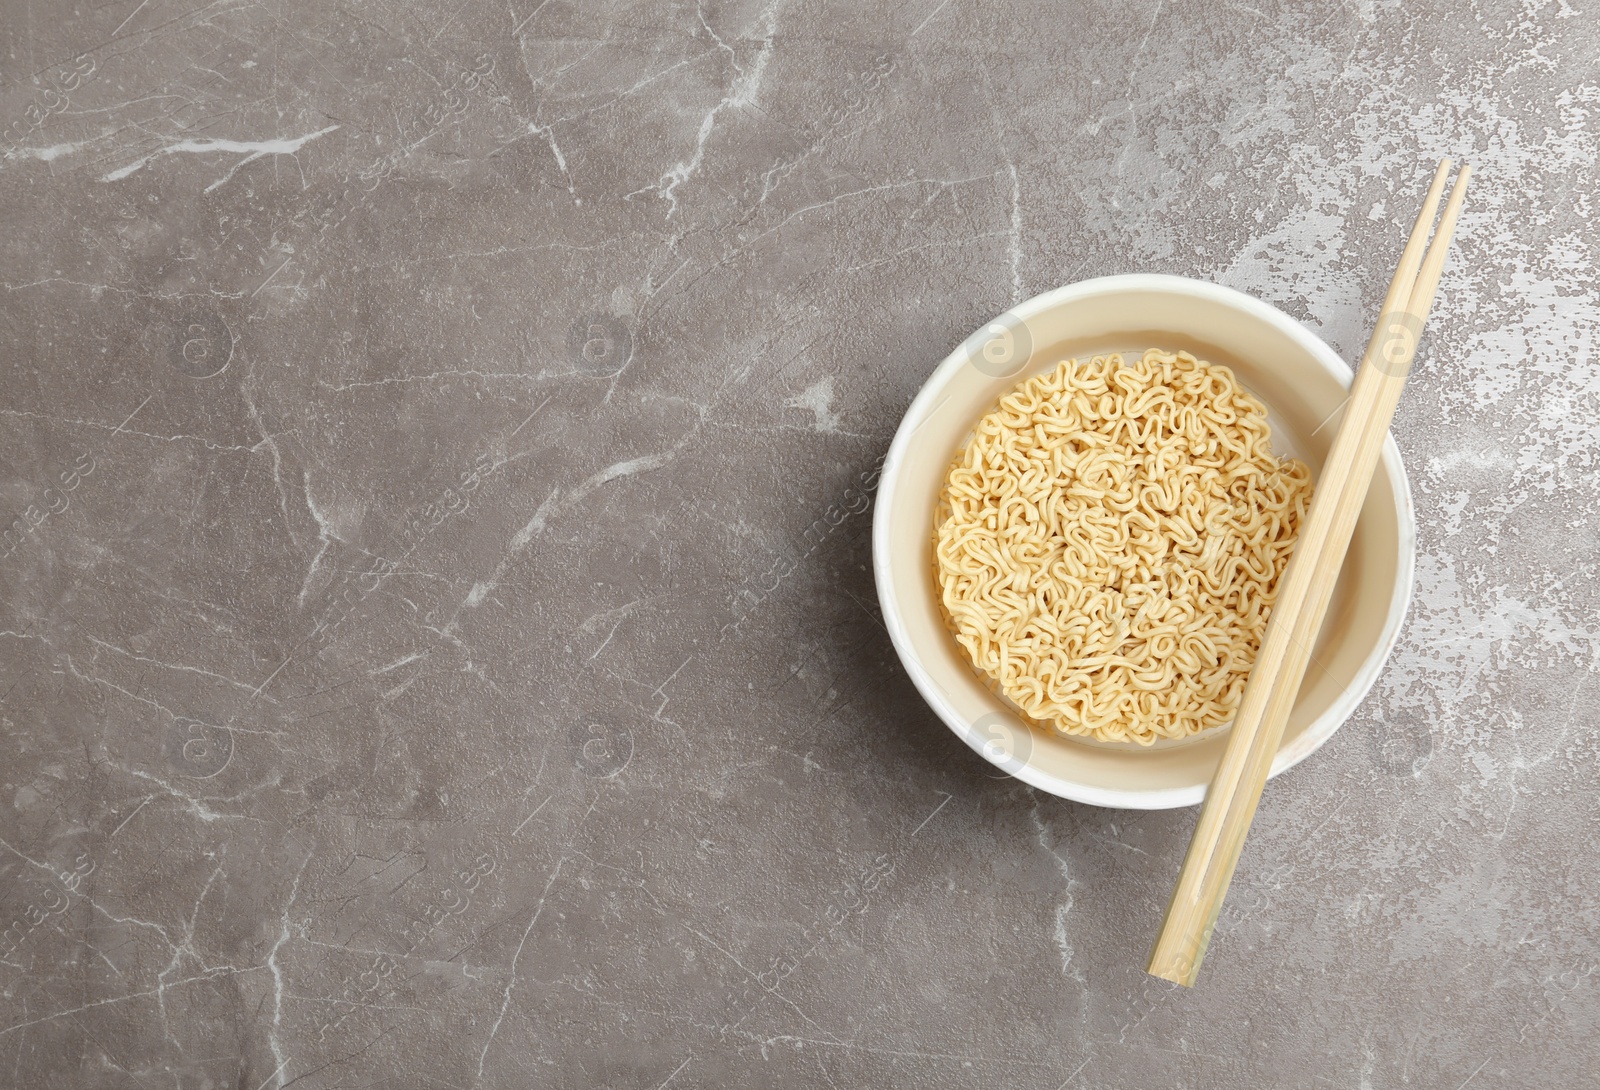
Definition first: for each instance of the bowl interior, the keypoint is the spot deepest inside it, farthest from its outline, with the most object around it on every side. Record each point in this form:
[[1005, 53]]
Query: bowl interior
[[1303, 384]]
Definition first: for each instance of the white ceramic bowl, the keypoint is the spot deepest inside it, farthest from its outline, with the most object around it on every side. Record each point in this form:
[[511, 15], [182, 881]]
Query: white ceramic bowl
[[1303, 383]]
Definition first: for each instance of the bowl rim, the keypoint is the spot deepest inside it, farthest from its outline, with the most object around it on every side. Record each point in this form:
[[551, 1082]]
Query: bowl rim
[[1323, 728]]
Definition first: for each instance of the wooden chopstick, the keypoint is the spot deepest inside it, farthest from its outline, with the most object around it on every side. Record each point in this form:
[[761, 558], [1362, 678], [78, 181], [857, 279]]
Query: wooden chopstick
[[1303, 598]]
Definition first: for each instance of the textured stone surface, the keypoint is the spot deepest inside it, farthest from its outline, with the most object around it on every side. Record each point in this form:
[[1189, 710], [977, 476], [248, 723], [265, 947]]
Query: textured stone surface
[[413, 402]]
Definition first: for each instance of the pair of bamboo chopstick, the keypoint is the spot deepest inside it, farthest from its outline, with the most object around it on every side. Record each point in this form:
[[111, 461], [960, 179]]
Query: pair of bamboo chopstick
[[1303, 597]]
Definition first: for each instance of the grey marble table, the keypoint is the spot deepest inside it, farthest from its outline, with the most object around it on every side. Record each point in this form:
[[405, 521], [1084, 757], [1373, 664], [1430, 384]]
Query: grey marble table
[[438, 643]]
